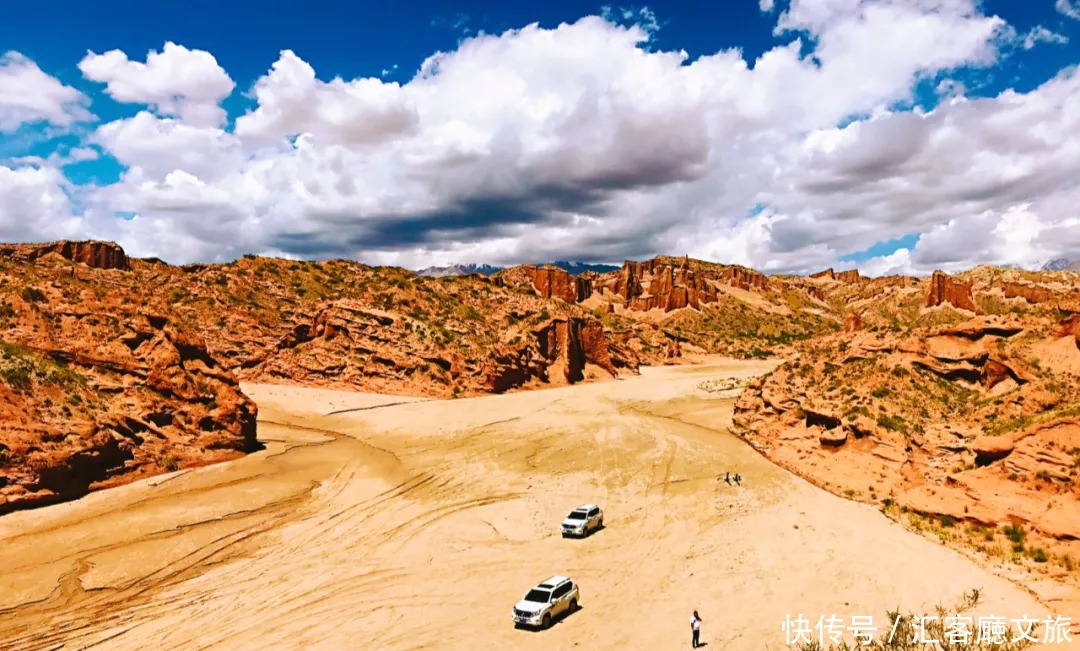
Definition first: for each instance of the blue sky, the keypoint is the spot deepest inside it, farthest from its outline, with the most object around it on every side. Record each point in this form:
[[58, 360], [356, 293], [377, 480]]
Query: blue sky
[[1035, 42]]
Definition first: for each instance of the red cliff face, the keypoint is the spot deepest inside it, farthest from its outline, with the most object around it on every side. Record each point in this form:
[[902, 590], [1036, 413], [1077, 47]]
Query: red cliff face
[[597, 349], [628, 282], [561, 350], [558, 283], [946, 289], [100, 255], [657, 284], [747, 279], [849, 276], [101, 406]]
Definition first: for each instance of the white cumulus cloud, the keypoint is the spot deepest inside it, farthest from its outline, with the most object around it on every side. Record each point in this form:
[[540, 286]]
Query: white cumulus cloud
[[579, 142], [176, 82], [28, 95], [34, 205]]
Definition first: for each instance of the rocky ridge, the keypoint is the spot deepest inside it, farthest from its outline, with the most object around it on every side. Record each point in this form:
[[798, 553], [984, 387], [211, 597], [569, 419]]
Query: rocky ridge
[[136, 363], [95, 392], [955, 401]]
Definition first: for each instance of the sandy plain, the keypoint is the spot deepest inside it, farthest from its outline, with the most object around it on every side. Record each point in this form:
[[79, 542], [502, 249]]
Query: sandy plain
[[380, 522]]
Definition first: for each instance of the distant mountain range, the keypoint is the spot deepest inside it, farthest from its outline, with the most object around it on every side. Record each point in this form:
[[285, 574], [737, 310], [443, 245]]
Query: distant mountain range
[[1062, 264], [487, 269], [458, 270]]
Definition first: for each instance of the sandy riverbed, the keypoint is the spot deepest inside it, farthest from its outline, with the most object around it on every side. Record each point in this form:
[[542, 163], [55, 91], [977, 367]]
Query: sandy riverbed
[[375, 522]]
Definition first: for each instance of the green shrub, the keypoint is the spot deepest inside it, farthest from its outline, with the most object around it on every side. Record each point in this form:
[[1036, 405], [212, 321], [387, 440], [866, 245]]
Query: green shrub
[[1015, 532], [33, 295], [895, 423]]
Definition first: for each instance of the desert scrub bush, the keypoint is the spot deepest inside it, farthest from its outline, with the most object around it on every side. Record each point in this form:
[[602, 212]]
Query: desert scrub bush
[[1023, 422], [19, 368], [857, 410], [1045, 476], [894, 423], [1014, 532], [467, 313], [33, 295], [881, 392]]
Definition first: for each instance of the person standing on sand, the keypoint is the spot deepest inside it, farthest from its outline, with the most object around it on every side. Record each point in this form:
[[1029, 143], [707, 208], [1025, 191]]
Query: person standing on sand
[[695, 629]]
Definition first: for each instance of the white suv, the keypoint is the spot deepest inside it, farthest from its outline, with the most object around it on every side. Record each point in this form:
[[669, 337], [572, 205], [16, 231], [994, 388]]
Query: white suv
[[583, 520], [547, 601]]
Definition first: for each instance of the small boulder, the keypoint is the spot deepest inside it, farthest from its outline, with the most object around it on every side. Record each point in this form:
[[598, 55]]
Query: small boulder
[[833, 438], [989, 449]]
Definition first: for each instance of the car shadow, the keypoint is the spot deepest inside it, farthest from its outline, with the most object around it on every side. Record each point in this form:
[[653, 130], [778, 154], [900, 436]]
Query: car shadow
[[559, 619]]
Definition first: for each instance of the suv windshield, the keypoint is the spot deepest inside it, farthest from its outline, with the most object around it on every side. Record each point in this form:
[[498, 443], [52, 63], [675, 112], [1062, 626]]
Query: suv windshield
[[538, 596], [576, 515]]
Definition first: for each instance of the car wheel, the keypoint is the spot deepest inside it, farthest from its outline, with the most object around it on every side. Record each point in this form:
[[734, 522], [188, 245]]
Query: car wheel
[[547, 620], [573, 605]]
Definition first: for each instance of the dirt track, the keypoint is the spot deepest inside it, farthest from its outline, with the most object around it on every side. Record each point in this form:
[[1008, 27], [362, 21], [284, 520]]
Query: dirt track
[[418, 524]]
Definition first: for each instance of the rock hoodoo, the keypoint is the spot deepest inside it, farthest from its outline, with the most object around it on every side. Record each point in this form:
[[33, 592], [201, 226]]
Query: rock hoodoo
[[947, 289]]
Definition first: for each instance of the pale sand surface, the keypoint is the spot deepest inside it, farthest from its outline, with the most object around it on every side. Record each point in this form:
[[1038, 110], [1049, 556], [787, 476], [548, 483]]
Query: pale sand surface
[[401, 523]]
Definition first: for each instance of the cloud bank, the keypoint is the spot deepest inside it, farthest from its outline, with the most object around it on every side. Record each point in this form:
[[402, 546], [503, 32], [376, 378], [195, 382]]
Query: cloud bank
[[581, 142]]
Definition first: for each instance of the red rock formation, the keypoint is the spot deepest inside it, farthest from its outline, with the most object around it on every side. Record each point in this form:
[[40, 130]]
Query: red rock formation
[[1069, 327], [849, 276], [552, 282], [1030, 293], [744, 278], [672, 347], [559, 343], [947, 289], [103, 405], [596, 347], [507, 368], [628, 282], [994, 372], [853, 323], [561, 350], [656, 284], [101, 255]]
